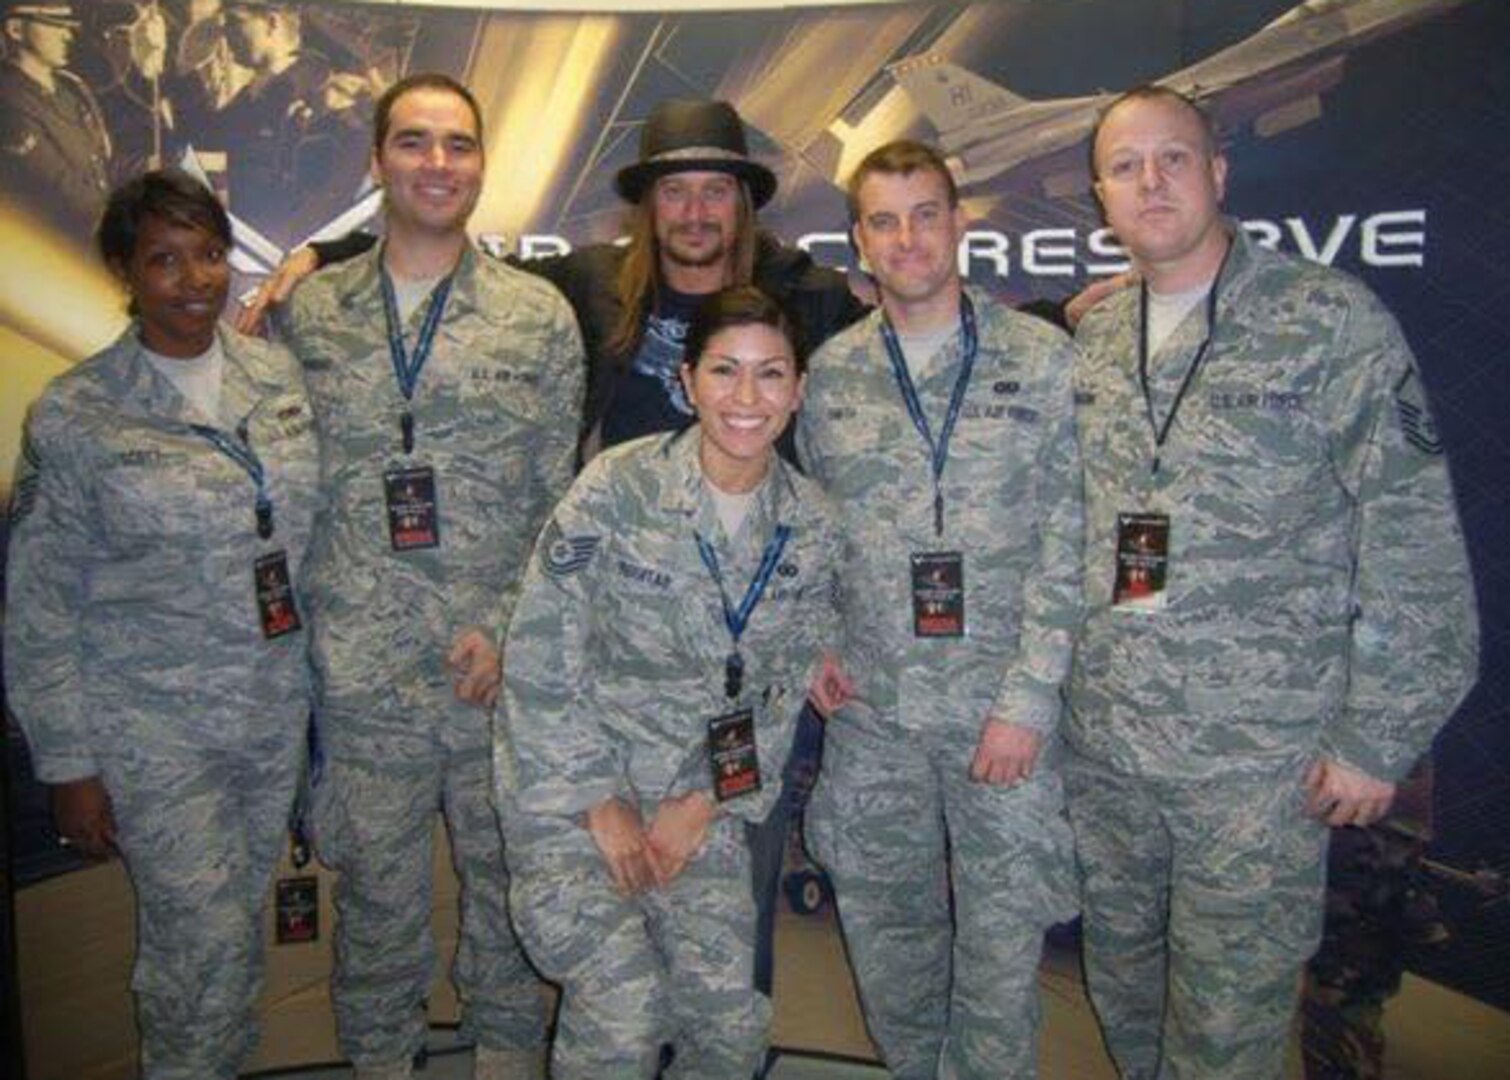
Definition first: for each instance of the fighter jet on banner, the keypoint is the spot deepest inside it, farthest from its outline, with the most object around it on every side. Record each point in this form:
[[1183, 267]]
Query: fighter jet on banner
[[1272, 81]]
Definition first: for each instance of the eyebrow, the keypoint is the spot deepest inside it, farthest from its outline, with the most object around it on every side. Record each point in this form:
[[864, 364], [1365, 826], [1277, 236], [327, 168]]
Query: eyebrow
[[774, 358]]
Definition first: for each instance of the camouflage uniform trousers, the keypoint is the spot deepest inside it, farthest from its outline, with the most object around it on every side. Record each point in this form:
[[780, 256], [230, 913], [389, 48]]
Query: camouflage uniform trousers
[[949, 990], [673, 964], [389, 767], [1202, 902], [201, 831]]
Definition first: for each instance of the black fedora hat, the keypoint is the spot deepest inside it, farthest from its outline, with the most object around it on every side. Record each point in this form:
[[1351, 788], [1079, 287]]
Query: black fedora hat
[[694, 136]]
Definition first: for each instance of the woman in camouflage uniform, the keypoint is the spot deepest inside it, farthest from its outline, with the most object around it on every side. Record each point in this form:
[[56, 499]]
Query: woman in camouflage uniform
[[671, 622], [153, 647]]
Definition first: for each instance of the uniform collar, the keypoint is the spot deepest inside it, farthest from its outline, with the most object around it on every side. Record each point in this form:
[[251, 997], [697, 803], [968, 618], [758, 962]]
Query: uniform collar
[[363, 290], [775, 499], [142, 390]]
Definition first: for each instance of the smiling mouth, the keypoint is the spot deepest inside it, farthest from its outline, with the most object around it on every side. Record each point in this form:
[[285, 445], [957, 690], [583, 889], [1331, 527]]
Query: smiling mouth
[[744, 423]]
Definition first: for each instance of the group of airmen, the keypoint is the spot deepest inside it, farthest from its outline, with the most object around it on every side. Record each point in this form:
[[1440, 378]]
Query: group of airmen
[[1119, 625]]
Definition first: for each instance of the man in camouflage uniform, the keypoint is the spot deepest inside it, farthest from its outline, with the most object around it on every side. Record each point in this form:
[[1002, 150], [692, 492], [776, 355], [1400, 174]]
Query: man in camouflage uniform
[[1280, 613], [54, 150], [446, 387], [939, 810]]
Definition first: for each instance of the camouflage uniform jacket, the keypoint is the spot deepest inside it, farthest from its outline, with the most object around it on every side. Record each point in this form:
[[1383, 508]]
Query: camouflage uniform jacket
[[1012, 507], [495, 415], [615, 659], [1319, 597], [132, 614]]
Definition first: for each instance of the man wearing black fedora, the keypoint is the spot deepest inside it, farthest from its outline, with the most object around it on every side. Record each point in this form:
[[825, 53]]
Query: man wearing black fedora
[[694, 194]]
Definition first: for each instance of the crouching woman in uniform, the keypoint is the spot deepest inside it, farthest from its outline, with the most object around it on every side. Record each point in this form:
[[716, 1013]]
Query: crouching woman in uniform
[[153, 647], [672, 620]]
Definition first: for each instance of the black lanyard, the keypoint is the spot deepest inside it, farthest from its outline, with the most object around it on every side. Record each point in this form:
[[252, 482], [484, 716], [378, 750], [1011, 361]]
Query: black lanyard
[[240, 451], [1161, 431], [736, 619], [938, 453], [406, 368]]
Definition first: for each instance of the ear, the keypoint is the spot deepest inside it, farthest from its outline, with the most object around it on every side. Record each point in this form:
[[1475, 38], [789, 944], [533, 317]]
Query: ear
[[854, 240], [961, 219], [375, 168], [1219, 176], [686, 374], [801, 394]]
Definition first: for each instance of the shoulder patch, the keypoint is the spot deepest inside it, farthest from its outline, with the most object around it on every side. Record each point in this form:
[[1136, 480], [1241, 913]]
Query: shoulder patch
[[562, 555], [1416, 424]]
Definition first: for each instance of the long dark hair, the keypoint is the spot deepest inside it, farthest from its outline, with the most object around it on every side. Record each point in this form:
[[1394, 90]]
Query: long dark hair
[[639, 280]]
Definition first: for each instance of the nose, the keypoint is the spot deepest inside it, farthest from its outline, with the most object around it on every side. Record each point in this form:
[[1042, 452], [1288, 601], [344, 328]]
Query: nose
[[201, 273], [745, 390], [1150, 176], [701, 208]]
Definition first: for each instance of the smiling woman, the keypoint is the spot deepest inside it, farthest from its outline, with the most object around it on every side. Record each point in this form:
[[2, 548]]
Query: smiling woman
[[172, 261], [744, 380], [668, 630], [153, 645]]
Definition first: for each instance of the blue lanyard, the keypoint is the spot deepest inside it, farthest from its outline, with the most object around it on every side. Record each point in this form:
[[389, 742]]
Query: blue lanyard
[[1161, 431], [736, 619], [406, 368], [240, 451], [938, 453]]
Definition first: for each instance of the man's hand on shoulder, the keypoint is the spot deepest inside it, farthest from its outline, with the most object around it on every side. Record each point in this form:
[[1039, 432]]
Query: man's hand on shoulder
[[1097, 291], [278, 287]]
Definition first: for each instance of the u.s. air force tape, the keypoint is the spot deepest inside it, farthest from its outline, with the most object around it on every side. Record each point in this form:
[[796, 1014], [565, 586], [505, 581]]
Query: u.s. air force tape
[[562, 555]]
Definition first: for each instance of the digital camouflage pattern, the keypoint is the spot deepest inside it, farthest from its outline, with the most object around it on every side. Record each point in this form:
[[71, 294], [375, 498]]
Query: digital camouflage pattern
[[956, 1001], [134, 652], [1303, 451], [495, 417], [616, 665], [1319, 604], [1202, 901]]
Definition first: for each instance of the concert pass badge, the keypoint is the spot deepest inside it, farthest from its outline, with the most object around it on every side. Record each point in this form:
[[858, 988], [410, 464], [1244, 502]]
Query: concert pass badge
[[1142, 562], [938, 594], [275, 596], [298, 910], [731, 753], [413, 521]]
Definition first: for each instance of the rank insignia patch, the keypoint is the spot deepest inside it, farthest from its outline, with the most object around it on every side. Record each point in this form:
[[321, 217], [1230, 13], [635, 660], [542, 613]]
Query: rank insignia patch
[[1416, 423], [562, 555]]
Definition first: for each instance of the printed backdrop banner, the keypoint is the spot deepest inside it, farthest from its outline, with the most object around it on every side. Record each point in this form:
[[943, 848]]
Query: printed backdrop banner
[[1368, 134]]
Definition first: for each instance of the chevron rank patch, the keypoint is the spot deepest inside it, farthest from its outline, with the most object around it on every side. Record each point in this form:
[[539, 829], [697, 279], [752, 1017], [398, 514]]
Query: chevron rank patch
[[562, 555], [1416, 424]]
